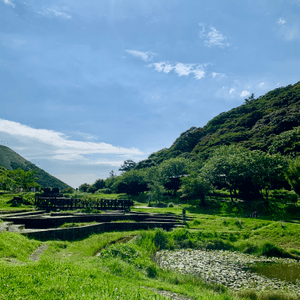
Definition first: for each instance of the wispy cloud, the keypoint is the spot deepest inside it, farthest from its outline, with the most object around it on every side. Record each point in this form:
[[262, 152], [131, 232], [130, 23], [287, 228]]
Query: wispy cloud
[[290, 31], [9, 2], [85, 135], [212, 37], [180, 69], [216, 75], [145, 56], [232, 90], [281, 21], [245, 93], [50, 13], [56, 145], [293, 33]]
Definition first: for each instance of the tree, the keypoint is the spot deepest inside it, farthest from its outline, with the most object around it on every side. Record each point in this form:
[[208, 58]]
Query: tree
[[131, 182], [293, 174], [171, 171], [156, 191], [68, 190], [6, 182], [266, 171], [226, 168], [195, 188], [98, 184], [127, 166], [250, 98], [83, 187], [112, 174], [244, 171], [24, 179]]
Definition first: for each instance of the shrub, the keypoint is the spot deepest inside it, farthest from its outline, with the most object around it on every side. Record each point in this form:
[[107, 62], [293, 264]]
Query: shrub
[[284, 196], [104, 191], [217, 244], [125, 252], [161, 240], [247, 247], [28, 198], [68, 190], [151, 271], [271, 250]]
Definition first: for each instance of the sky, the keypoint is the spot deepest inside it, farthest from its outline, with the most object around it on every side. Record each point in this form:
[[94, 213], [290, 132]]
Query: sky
[[86, 85]]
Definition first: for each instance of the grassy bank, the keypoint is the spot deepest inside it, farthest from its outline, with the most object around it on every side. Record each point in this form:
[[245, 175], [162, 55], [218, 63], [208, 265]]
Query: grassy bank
[[101, 267], [72, 270]]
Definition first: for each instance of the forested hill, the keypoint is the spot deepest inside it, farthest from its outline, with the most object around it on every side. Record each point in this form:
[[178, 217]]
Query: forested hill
[[270, 123], [11, 160]]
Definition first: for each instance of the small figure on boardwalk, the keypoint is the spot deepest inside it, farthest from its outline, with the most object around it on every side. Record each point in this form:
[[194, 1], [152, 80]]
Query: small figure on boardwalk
[[183, 215], [253, 215]]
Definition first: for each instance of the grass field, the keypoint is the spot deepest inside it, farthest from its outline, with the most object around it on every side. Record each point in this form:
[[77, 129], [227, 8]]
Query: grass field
[[99, 267]]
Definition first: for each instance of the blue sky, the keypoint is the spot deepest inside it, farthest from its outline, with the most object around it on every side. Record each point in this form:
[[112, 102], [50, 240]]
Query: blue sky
[[85, 85]]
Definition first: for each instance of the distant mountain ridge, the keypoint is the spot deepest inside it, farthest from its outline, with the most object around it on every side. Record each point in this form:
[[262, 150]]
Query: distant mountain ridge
[[270, 123], [11, 160]]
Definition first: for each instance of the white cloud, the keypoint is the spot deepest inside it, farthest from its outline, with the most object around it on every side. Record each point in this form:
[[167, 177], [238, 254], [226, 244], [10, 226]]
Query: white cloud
[[292, 33], [180, 69], [281, 21], [202, 33], [9, 2], [199, 73], [220, 75], [245, 93], [261, 84], [50, 12], [55, 145], [183, 69], [232, 90], [212, 37], [145, 56], [162, 67]]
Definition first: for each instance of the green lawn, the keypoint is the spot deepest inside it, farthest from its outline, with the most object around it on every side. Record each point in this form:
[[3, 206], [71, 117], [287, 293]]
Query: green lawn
[[70, 270]]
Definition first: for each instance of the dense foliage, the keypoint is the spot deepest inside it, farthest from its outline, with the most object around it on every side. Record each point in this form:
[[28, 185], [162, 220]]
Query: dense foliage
[[17, 179], [293, 174]]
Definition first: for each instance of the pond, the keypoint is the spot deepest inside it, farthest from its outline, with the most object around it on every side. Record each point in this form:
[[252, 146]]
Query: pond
[[286, 272], [237, 271]]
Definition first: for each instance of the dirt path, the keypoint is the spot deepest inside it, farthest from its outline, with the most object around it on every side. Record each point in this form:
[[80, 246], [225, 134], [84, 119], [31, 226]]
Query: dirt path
[[171, 295], [35, 256], [122, 240], [4, 225]]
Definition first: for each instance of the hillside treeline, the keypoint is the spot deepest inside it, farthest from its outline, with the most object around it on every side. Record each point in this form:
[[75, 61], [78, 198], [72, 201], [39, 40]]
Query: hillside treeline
[[270, 123], [246, 151], [245, 174]]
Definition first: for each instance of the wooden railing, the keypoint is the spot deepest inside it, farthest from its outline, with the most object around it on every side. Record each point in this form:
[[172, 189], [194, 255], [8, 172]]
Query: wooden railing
[[62, 203]]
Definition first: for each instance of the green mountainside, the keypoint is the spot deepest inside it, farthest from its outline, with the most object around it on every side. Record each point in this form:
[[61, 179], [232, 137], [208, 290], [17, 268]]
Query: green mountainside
[[270, 123], [11, 160]]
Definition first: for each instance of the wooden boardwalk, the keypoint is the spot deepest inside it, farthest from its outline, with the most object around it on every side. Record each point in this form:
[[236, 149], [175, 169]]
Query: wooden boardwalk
[[62, 203]]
